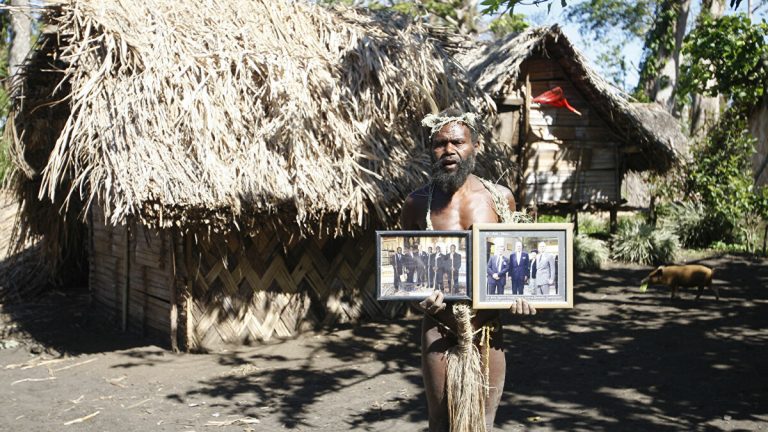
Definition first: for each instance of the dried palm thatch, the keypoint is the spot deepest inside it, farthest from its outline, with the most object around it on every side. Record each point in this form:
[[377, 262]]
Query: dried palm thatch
[[497, 69], [229, 115]]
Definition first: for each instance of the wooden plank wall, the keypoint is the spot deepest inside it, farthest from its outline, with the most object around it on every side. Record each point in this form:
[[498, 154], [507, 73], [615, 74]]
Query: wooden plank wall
[[568, 157], [146, 257], [249, 289]]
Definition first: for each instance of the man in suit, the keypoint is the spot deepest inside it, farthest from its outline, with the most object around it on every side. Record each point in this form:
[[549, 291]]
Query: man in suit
[[430, 267], [409, 262], [421, 266], [439, 268], [545, 271], [532, 277], [497, 269], [455, 265], [519, 267], [396, 261]]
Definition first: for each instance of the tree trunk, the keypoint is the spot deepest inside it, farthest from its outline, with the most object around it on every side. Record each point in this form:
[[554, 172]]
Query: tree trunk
[[21, 35], [661, 65], [705, 110]]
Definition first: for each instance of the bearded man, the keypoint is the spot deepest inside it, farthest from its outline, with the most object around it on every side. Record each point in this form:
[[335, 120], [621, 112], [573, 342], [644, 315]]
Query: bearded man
[[456, 199]]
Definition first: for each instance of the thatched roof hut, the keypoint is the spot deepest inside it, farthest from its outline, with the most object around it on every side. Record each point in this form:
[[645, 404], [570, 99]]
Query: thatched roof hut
[[627, 136], [276, 124]]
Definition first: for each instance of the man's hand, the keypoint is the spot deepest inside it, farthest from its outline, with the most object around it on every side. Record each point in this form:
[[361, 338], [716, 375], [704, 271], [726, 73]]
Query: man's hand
[[434, 303], [551, 281], [496, 276], [521, 307]]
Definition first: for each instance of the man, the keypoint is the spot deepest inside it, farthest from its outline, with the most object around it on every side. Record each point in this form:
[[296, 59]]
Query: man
[[454, 200], [532, 278], [396, 261], [409, 262], [496, 270], [545, 270], [518, 266], [439, 269], [454, 267], [431, 268], [421, 266]]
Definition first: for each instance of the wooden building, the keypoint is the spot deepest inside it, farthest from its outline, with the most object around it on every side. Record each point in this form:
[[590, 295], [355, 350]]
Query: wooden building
[[230, 181], [562, 159]]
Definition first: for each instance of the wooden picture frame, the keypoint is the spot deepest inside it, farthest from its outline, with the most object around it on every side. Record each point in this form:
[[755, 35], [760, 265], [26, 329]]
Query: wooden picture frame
[[548, 281], [412, 285]]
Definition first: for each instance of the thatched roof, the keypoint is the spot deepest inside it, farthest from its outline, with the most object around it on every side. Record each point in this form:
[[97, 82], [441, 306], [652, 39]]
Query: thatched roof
[[229, 114], [496, 69]]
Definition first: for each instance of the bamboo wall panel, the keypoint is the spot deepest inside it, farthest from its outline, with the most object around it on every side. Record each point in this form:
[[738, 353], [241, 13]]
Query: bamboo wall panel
[[107, 267], [253, 289], [136, 263]]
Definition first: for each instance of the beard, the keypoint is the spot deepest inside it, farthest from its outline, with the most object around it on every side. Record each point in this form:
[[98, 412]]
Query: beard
[[451, 181]]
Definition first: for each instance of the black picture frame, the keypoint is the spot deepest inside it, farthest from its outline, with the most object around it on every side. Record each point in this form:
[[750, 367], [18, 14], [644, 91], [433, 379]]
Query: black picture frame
[[410, 285]]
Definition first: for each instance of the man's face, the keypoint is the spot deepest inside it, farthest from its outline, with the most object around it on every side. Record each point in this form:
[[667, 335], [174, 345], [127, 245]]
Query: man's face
[[453, 248], [542, 245], [453, 156], [399, 250], [500, 249], [438, 249], [533, 255], [518, 247], [429, 250]]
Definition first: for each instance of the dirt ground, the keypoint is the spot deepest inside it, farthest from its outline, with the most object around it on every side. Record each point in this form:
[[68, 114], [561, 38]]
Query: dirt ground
[[619, 361]]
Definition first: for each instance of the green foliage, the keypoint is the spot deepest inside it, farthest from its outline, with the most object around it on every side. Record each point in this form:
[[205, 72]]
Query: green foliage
[[508, 23], [544, 218], [721, 176], [491, 7], [588, 253], [693, 224], [641, 243], [659, 42], [5, 36], [729, 56], [601, 17], [592, 225]]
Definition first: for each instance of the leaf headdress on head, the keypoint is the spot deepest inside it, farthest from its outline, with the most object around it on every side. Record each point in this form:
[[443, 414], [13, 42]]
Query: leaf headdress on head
[[435, 122]]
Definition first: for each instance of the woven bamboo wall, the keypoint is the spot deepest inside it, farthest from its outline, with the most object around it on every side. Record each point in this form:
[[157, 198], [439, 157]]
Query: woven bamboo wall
[[131, 272], [247, 289]]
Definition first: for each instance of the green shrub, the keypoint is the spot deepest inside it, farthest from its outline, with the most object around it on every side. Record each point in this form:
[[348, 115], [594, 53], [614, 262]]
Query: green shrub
[[588, 253], [544, 218], [641, 243], [590, 224], [694, 225]]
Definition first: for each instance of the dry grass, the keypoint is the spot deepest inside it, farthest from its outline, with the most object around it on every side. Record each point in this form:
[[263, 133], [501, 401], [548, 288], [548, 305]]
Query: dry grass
[[230, 115]]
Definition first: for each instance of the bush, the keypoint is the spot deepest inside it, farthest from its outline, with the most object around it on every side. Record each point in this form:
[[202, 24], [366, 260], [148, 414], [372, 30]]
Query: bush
[[694, 225], [591, 225], [588, 253], [641, 243]]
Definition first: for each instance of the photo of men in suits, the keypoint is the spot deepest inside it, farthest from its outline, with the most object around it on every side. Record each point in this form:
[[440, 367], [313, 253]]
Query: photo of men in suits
[[546, 271], [496, 271], [518, 268], [417, 266], [454, 265]]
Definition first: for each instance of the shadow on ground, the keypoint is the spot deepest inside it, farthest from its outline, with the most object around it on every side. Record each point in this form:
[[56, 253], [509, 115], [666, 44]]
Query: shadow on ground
[[620, 360]]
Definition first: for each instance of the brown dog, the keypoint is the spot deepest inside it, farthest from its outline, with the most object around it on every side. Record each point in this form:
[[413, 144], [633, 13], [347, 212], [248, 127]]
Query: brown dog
[[691, 275]]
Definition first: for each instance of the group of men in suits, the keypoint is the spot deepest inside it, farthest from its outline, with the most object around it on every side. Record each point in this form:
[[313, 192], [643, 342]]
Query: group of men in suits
[[426, 269], [539, 270]]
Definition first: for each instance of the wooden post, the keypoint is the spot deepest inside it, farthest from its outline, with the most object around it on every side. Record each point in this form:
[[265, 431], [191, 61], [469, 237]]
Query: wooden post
[[174, 312], [614, 219], [576, 221], [127, 282]]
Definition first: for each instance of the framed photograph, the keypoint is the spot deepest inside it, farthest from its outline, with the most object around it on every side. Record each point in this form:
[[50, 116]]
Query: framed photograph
[[413, 264], [533, 261]]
